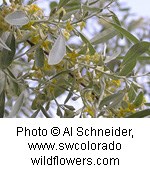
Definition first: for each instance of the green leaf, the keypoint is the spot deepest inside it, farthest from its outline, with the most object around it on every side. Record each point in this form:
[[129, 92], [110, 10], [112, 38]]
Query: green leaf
[[140, 114], [59, 112], [2, 104], [62, 3], [70, 107], [17, 106], [53, 5], [104, 36], [139, 99], [58, 51], [135, 51], [147, 104], [3, 45], [2, 81], [113, 99], [39, 57], [17, 18], [86, 41], [44, 112], [6, 57], [127, 69], [131, 93], [69, 114], [123, 31], [34, 115], [13, 83]]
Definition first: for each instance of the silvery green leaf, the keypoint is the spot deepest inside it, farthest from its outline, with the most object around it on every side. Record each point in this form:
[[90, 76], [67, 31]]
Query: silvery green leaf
[[58, 51], [104, 36], [6, 57], [3, 45], [17, 18], [2, 81], [17, 106], [114, 56]]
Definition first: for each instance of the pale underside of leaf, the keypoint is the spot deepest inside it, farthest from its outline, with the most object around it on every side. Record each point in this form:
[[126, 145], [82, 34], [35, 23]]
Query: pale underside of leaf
[[18, 18], [104, 36], [58, 51]]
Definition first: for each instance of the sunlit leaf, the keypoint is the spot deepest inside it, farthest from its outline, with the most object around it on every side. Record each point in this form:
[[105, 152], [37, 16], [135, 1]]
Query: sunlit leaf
[[131, 93], [128, 68], [140, 114], [17, 18], [123, 31], [58, 51], [135, 51], [112, 100], [139, 99], [104, 36]]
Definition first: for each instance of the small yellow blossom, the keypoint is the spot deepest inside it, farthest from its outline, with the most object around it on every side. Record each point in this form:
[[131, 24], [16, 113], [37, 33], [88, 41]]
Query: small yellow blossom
[[33, 8], [81, 25], [73, 55], [69, 27], [89, 110], [35, 39], [66, 34], [46, 44], [117, 82]]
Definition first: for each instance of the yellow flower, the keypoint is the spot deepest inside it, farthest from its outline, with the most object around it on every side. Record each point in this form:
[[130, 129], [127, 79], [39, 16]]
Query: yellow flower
[[131, 107], [81, 25], [34, 8], [89, 110], [46, 44], [35, 39], [116, 82], [73, 55], [66, 34], [69, 27]]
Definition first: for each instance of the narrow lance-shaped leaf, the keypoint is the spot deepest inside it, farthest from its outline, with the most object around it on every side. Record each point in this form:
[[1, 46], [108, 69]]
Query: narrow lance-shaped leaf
[[3, 45], [2, 81], [123, 31], [114, 97], [128, 68], [139, 99], [86, 41], [39, 57], [17, 106], [6, 57], [135, 51], [58, 51], [104, 36], [17, 18], [62, 3], [140, 114], [2, 104]]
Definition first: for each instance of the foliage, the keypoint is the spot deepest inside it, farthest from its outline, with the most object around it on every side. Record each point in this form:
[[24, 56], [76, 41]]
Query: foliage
[[50, 66]]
